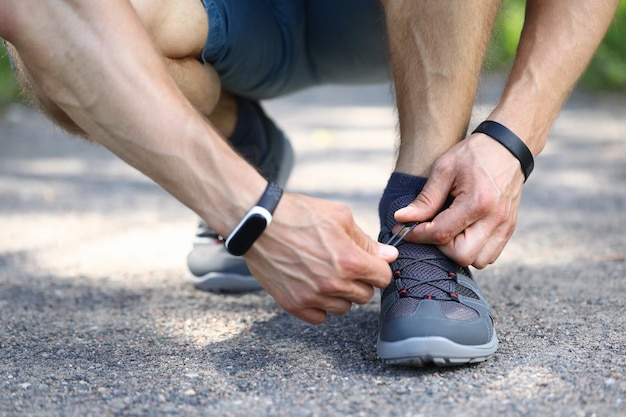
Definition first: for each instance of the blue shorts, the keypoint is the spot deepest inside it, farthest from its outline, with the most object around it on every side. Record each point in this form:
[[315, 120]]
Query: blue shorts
[[268, 48]]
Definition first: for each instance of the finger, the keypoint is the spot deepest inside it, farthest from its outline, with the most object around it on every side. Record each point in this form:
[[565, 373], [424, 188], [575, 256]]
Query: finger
[[490, 253], [318, 307], [429, 201], [357, 292], [310, 315], [462, 249], [368, 269], [369, 263], [335, 305], [494, 243], [445, 226], [478, 245], [387, 252], [327, 305], [364, 293]]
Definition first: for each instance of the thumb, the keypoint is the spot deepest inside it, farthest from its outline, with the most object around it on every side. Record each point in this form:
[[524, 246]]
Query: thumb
[[427, 203], [374, 260], [388, 253]]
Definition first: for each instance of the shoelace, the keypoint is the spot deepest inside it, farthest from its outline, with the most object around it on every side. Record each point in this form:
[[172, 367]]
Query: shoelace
[[403, 287]]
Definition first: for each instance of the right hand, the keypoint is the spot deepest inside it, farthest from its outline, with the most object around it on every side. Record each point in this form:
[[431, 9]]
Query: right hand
[[486, 182], [313, 259]]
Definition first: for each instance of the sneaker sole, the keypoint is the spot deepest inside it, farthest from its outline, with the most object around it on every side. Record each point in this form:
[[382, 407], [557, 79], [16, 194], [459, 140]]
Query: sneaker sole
[[225, 283], [420, 351]]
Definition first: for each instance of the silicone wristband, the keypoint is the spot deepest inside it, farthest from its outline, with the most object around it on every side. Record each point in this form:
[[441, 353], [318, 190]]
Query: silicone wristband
[[254, 222], [511, 141]]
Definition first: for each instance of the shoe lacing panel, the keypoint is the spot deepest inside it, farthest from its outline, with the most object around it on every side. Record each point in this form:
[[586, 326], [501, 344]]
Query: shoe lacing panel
[[423, 272]]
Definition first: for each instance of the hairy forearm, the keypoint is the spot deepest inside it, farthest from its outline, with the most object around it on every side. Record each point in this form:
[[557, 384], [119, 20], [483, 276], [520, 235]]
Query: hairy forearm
[[558, 40], [96, 62]]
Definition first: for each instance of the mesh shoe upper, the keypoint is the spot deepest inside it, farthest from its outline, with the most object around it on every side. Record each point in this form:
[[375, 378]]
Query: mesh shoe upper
[[430, 295]]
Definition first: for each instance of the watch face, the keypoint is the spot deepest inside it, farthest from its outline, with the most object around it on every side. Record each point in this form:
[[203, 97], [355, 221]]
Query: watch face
[[247, 233]]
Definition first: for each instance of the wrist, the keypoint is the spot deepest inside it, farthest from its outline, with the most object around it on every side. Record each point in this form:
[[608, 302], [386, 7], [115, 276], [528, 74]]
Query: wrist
[[254, 223], [525, 110], [511, 142]]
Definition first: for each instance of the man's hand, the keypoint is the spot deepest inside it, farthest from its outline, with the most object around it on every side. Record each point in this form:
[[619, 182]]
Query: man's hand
[[314, 259], [485, 181]]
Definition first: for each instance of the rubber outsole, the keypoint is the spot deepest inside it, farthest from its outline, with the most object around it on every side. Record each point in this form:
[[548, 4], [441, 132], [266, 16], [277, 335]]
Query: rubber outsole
[[225, 283], [420, 351]]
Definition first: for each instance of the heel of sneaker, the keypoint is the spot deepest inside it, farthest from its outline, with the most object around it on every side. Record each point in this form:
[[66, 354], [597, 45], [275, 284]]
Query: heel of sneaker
[[287, 160], [218, 282]]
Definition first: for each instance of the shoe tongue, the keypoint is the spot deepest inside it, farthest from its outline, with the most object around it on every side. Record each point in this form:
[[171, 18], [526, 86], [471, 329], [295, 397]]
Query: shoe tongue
[[396, 205]]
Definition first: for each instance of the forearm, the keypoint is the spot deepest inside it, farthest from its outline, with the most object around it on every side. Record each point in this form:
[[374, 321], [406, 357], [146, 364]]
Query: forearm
[[313, 258], [96, 62], [558, 40]]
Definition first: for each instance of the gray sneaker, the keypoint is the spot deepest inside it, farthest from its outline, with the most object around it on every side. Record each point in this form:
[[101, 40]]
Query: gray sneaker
[[211, 267], [432, 311]]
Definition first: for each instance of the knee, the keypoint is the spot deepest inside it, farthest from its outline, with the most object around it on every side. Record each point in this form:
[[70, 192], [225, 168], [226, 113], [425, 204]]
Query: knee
[[178, 28]]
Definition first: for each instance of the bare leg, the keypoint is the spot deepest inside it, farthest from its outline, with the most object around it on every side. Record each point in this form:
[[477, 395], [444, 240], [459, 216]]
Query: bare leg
[[38, 98], [201, 85], [437, 50], [178, 31]]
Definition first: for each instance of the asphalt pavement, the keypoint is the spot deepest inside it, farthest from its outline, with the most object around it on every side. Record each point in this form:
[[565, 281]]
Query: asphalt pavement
[[97, 318]]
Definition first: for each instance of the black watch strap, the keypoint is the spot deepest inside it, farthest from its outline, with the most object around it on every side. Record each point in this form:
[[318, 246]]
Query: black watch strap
[[271, 196], [511, 141], [254, 222]]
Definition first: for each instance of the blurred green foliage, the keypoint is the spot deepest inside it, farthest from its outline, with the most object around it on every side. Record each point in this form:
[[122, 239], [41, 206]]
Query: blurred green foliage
[[607, 70], [506, 35], [9, 90]]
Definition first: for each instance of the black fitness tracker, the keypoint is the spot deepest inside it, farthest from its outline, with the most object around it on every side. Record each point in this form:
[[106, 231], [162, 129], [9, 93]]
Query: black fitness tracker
[[254, 222]]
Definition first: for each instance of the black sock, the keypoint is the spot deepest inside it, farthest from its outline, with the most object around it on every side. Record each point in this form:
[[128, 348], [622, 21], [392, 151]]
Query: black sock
[[399, 185], [249, 137]]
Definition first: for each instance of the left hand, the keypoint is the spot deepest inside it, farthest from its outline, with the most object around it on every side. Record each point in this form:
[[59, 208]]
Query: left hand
[[486, 181]]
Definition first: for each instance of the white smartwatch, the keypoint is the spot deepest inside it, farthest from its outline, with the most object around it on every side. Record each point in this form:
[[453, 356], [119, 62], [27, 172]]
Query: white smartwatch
[[254, 222]]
